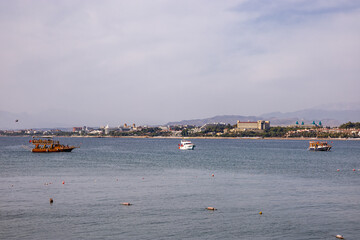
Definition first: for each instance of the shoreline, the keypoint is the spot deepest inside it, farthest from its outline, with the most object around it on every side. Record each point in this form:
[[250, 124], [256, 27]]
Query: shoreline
[[213, 138]]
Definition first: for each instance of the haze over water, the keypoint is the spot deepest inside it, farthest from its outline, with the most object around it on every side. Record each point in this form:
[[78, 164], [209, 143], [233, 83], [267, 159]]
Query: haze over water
[[301, 193]]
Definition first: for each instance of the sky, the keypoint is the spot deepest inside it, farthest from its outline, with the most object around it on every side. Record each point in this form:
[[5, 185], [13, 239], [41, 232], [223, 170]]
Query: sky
[[151, 62]]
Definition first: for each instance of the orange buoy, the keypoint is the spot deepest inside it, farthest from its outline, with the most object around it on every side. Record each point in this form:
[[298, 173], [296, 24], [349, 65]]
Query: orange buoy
[[339, 236], [260, 213], [211, 208], [126, 203], [51, 201]]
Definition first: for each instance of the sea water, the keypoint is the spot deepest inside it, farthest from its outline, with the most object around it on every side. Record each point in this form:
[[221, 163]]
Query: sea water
[[301, 194]]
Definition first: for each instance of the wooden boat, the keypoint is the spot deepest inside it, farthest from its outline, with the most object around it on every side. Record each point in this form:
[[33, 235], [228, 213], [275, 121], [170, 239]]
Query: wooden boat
[[319, 146], [48, 145]]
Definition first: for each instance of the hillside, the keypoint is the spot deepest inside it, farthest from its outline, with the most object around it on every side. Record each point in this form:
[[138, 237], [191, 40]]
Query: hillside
[[330, 118]]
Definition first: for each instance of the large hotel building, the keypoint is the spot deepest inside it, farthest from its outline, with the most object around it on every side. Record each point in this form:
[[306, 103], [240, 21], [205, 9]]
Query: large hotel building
[[259, 125]]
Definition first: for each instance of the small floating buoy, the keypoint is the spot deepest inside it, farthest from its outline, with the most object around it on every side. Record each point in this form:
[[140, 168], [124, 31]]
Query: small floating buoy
[[63, 182], [51, 201], [260, 213], [338, 170], [126, 203], [354, 169], [211, 208], [212, 175], [339, 236]]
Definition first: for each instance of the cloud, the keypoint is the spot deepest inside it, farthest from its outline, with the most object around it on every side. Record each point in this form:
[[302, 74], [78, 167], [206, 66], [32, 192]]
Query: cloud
[[159, 61]]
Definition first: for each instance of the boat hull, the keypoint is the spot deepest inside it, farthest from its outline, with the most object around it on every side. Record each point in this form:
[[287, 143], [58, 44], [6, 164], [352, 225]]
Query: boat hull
[[50, 150], [322, 149], [319, 146], [188, 147]]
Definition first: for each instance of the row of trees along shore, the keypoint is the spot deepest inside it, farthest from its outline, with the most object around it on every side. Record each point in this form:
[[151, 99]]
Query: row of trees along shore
[[343, 131], [350, 125]]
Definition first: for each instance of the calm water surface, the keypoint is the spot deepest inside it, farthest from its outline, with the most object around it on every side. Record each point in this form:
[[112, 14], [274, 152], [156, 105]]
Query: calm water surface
[[301, 193]]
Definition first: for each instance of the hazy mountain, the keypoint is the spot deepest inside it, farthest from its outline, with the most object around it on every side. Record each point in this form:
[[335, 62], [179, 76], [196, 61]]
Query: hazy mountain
[[228, 119], [327, 117], [232, 119], [67, 119], [329, 114], [318, 114], [338, 106]]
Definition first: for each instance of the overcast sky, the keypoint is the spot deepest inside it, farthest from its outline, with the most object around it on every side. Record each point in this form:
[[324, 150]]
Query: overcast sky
[[151, 62]]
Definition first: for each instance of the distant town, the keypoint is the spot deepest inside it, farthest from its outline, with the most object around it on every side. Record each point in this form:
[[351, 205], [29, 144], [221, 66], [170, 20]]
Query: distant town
[[241, 129]]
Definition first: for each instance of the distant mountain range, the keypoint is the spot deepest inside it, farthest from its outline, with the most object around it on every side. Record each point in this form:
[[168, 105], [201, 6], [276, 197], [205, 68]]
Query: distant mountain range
[[316, 114], [65, 119], [328, 118]]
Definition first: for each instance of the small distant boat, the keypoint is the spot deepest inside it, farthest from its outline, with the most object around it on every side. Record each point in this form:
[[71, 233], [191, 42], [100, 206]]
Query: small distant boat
[[48, 145], [186, 145], [319, 146]]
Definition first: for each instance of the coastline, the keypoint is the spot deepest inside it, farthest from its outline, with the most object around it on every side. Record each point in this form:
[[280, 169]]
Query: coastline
[[213, 138]]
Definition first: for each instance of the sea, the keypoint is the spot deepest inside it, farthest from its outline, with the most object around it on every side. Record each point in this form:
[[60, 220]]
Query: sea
[[261, 189]]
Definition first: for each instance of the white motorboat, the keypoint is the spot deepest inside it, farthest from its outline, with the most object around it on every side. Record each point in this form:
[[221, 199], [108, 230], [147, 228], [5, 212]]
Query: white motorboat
[[186, 145]]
